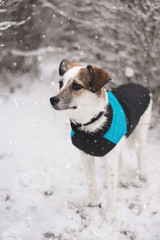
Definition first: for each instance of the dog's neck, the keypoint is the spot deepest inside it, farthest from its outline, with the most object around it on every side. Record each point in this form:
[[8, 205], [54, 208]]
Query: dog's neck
[[85, 114]]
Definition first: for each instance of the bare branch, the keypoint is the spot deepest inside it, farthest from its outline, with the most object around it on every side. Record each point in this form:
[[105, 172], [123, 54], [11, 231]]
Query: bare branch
[[64, 14]]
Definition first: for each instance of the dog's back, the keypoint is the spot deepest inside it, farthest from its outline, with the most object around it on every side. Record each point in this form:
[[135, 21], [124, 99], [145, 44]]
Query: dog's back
[[134, 99]]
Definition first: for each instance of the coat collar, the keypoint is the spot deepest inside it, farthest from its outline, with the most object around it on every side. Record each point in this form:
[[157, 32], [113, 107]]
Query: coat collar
[[91, 121]]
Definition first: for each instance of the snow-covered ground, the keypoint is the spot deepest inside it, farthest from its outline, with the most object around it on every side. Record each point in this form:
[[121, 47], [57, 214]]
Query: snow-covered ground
[[42, 182]]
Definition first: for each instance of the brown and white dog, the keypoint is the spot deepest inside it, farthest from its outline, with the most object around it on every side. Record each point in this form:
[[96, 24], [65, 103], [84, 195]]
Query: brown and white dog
[[84, 98]]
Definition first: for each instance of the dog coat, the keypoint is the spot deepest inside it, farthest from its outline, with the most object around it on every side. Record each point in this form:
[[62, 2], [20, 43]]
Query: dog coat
[[126, 104]]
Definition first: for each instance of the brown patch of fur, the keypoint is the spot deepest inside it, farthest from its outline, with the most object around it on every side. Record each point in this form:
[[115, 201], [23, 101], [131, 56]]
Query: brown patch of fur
[[79, 92], [84, 77], [71, 64], [65, 65], [99, 79]]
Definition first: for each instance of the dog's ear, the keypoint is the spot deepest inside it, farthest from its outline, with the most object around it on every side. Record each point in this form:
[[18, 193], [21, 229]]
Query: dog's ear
[[65, 65], [98, 78]]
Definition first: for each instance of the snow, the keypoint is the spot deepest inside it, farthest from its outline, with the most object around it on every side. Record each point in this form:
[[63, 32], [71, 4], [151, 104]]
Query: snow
[[129, 72], [43, 185]]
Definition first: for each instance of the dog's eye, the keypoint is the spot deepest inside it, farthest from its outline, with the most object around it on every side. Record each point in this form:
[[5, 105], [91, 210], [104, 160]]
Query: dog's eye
[[60, 84], [77, 86]]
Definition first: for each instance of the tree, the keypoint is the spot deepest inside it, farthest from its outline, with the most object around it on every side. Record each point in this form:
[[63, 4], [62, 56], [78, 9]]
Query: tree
[[111, 34], [20, 29]]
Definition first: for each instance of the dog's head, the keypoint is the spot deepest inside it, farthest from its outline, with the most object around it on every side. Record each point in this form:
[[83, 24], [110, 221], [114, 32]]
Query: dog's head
[[79, 85]]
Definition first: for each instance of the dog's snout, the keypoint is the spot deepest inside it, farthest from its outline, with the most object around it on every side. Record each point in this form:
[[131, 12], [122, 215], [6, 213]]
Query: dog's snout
[[54, 100]]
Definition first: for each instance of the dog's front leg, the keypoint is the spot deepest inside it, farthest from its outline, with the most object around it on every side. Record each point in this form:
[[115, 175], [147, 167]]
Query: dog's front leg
[[111, 161], [89, 166]]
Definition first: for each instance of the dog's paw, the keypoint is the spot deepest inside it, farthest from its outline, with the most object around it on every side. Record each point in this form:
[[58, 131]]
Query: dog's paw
[[110, 215], [91, 202], [142, 175]]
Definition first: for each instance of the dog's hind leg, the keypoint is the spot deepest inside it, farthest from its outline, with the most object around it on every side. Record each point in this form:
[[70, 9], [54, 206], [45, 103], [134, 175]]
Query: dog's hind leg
[[89, 166], [141, 140], [120, 166]]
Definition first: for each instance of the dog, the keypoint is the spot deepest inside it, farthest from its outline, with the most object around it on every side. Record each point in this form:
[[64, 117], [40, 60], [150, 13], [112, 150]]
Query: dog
[[103, 122]]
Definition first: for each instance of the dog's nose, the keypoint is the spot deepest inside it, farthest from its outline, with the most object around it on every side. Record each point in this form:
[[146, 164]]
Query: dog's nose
[[54, 101]]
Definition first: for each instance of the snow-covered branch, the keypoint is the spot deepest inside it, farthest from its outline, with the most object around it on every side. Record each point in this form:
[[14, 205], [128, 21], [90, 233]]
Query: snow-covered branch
[[7, 24], [40, 51], [2, 2]]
